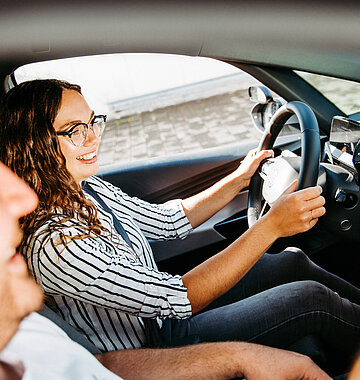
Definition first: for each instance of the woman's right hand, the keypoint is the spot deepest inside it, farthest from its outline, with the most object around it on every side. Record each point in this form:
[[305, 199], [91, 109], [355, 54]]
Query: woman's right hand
[[292, 213], [296, 211]]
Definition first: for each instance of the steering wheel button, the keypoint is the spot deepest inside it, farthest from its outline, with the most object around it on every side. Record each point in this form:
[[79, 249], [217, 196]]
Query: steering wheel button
[[345, 225], [340, 196]]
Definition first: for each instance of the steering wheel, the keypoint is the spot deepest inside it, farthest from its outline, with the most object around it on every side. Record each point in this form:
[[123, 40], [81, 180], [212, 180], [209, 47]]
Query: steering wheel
[[275, 174]]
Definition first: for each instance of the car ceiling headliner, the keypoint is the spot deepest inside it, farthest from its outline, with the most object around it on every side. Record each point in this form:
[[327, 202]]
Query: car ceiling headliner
[[318, 36]]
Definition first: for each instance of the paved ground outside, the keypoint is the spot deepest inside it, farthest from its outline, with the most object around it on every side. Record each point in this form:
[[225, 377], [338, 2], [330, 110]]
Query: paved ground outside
[[181, 120]]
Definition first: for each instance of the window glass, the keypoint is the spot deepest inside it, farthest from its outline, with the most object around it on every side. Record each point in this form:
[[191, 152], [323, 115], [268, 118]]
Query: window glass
[[158, 105], [343, 93]]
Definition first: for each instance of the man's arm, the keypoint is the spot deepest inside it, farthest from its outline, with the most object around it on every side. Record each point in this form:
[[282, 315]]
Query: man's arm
[[206, 361]]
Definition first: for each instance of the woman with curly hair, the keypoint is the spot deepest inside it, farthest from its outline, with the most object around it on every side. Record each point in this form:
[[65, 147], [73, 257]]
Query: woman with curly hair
[[86, 244]]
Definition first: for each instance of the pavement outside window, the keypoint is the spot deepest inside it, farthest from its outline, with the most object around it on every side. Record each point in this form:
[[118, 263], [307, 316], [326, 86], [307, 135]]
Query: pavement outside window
[[190, 118]]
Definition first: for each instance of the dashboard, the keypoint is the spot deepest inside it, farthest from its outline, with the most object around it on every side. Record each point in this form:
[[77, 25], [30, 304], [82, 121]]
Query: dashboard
[[343, 147], [339, 169]]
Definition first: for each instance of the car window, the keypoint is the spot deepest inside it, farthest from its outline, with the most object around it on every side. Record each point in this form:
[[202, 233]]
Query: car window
[[158, 105], [345, 94]]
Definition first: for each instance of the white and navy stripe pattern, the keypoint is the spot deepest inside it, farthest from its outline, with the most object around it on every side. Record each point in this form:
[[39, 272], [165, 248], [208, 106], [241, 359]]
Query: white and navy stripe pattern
[[103, 288]]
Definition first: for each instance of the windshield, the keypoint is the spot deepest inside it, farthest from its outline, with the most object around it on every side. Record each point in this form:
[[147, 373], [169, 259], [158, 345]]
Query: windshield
[[343, 93]]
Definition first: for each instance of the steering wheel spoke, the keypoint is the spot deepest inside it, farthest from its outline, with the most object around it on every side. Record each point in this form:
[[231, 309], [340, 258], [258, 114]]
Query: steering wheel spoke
[[282, 172], [265, 209]]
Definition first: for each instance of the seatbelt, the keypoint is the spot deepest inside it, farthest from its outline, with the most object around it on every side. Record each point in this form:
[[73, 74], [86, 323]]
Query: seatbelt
[[119, 228], [152, 328]]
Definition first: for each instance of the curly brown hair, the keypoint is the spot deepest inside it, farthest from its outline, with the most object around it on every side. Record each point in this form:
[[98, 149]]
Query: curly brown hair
[[30, 147]]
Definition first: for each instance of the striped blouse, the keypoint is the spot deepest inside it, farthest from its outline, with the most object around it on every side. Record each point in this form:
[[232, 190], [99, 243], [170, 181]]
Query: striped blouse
[[105, 288]]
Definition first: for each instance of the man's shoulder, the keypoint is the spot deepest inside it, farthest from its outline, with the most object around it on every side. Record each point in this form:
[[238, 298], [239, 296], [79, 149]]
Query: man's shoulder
[[38, 325], [47, 351]]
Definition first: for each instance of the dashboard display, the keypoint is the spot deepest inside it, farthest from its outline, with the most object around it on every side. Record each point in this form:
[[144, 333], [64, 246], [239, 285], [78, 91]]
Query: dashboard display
[[344, 131], [344, 135]]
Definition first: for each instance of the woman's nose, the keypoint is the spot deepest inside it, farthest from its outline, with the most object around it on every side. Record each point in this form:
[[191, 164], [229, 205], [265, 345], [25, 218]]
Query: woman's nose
[[91, 136]]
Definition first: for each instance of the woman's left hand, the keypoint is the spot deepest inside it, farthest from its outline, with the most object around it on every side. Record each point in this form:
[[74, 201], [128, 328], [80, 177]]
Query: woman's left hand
[[250, 163]]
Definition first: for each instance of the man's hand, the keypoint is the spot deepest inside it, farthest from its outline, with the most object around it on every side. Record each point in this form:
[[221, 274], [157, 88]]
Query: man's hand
[[267, 363], [296, 212]]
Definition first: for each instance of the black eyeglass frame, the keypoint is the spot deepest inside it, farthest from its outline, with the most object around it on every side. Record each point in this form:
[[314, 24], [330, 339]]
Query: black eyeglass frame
[[87, 125]]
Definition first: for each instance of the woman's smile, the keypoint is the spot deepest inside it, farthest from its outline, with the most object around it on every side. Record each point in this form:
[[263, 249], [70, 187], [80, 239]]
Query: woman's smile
[[88, 158]]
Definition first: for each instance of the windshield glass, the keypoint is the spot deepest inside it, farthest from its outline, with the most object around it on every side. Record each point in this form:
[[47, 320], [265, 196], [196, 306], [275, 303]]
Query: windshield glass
[[343, 93]]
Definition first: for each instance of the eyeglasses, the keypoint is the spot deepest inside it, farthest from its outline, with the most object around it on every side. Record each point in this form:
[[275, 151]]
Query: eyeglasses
[[79, 132]]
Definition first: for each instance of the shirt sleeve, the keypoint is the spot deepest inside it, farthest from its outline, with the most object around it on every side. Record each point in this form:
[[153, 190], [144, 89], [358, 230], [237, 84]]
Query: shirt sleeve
[[98, 272], [157, 221]]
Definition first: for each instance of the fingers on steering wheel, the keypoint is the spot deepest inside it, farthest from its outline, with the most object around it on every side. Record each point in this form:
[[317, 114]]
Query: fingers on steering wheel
[[266, 153], [316, 213], [310, 193], [312, 222], [263, 153], [315, 202]]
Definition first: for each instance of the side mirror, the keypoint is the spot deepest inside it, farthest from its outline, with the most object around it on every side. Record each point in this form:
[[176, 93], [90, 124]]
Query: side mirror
[[260, 94], [265, 106]]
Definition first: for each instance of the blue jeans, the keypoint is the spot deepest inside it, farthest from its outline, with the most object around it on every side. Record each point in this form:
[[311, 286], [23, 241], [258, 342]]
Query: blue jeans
[[283, 298]]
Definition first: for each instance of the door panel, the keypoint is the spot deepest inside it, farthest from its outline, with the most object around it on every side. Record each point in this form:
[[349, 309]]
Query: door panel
[[185, 175], [202, 236], [176, 177]]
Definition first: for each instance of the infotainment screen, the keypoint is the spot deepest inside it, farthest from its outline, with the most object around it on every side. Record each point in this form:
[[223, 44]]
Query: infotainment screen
[[344, 135], [345, 132]]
